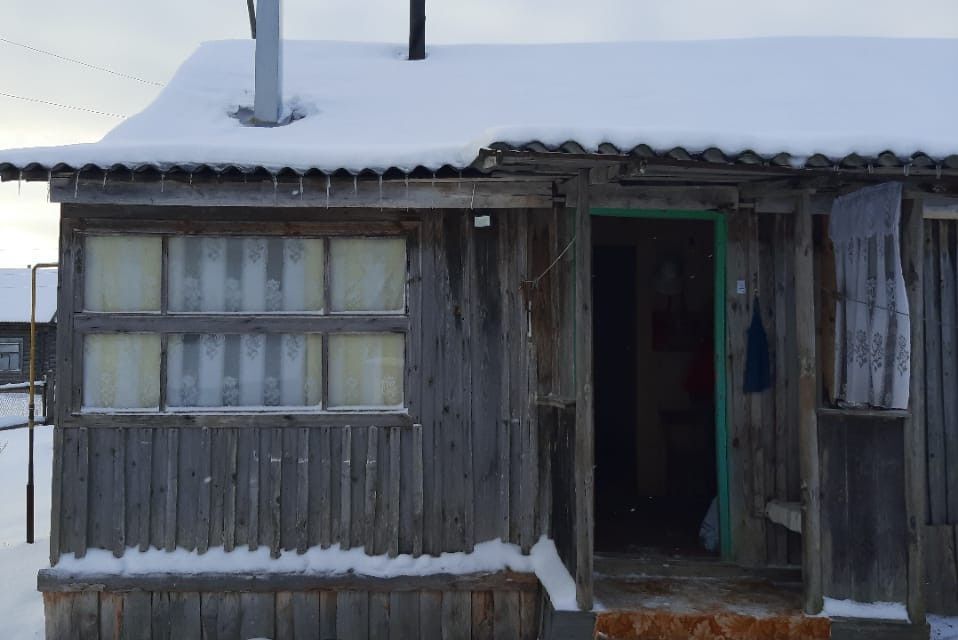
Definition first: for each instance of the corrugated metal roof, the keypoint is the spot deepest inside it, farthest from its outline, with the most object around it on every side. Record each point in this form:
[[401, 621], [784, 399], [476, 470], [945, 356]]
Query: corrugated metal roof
[[535, 153]]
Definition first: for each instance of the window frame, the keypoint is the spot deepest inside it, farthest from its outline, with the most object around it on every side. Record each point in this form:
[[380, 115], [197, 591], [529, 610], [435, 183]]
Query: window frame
[[19, 343], [166, 322]]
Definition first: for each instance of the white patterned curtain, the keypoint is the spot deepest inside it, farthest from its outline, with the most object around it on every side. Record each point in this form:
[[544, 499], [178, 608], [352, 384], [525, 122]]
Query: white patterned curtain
[[873, 329]]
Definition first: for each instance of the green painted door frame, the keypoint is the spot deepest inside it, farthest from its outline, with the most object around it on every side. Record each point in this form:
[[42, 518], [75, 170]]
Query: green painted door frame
[[721, 390]]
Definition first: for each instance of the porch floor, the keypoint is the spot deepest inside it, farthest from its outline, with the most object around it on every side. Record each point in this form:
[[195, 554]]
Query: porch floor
[[659, 598]]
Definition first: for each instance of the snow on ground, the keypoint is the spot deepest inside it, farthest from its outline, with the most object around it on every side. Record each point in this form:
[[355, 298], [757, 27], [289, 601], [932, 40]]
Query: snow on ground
[[943, 628], [21, 607], [365, 106]]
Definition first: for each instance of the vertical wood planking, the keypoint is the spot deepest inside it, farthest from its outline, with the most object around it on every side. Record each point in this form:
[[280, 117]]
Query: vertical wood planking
[[483, 612], [418, 481], [941, 573], [289, 491], [949, 359], [393, 505], [808, 401], [454, 457], [274, 530], [81, 492], [232, 483], [358, 492], [137, 614], [379, 615], [456, 615], [372, 464], [352, 615], [188, 488], [345, 488], [306, 615], [404, 615], [57, 511], [584, 405], [284, 615], [257, 615], [782, 380], [934, 396], [100, 493], [323, 485], [430, 614], [204, 486], [528, 615], [756, 461], [506, 615], [327, 614], [110, 616], [430, 387], [119, 491], [301, 524], [914, 447], [142, 446], [172, 485], [744, 537], [219, 480], [253, 491], [184, 615]]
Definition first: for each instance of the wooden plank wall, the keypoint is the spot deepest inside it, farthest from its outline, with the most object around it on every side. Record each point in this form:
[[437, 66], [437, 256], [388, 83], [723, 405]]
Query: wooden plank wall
[[552, 266], [941, 414], [470, 474], [762, 427], [864, 538], [285, 615]]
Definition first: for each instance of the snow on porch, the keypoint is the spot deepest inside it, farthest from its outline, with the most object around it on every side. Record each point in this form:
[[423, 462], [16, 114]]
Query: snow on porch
[[364, 106]]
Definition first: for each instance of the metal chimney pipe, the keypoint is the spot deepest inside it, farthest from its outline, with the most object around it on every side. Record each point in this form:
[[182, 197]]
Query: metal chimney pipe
[[417, 29], [268, 98]]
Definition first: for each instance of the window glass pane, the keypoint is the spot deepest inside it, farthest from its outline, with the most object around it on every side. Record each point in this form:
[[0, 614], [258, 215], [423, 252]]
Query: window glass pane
[[244, 370], [121, 371], [368, 274], [366, 370], [246, 274], [122, 273], [9, 356]]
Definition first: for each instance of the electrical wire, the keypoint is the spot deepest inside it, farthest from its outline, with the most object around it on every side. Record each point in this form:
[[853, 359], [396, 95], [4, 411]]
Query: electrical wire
[[62, 106], [80, 62]]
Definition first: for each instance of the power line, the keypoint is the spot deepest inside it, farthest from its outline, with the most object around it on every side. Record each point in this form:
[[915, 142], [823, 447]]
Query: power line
[[80, 62], [62, 106]]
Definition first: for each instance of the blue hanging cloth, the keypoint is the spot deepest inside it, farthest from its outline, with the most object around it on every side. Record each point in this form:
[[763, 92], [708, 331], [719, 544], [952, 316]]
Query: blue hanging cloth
[[758, 368]]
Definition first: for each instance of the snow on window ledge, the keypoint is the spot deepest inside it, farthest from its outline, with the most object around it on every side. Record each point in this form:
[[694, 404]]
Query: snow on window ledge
[[487, 557]]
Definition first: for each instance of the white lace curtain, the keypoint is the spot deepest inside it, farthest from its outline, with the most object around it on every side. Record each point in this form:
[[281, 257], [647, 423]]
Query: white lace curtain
[[231, 275], [873, 330]]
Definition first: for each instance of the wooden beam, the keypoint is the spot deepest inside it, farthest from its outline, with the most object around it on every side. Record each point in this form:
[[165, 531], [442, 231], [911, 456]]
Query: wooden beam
[[53, 581], [807, 401], [617, 196], [223, 419], [913, 245], [310, 192], [584, 437]]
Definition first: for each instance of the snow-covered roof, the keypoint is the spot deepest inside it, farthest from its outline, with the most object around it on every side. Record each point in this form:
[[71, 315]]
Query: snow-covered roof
[[366, 107], [15, 295]]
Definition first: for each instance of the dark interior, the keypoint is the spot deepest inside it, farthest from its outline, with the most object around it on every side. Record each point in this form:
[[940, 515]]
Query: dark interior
[[653, 290]]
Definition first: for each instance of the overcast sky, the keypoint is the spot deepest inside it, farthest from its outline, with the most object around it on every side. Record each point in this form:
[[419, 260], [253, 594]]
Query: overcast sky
[[150, 39]]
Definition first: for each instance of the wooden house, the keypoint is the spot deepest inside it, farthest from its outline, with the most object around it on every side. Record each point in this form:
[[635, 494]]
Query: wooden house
[[513, 294], [15, 324]]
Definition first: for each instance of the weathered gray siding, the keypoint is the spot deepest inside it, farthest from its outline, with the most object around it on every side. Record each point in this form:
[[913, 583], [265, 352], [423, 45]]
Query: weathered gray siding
[[470, 474], [511, 614]]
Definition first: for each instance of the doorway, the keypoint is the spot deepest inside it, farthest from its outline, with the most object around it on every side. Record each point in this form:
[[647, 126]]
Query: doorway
[[658, 313]]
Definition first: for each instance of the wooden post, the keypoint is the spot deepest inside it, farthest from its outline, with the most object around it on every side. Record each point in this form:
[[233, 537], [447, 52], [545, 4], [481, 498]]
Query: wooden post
[[807, 401], [584, 439], [912, 243]]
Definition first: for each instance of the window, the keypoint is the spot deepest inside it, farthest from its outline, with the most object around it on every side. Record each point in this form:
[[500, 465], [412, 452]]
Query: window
[[188, 324], [10, 355]]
